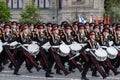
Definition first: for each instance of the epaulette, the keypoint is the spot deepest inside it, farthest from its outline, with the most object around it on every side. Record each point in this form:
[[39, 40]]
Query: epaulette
[[14, 36], [98, 38], [112, 37], [75, 37], [0, 35], [35, 36], [101, 36], [62, 36], [48, 37]]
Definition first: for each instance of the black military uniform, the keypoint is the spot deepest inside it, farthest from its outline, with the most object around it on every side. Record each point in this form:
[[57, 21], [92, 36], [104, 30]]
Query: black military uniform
[[56, 41], [104, 41], [23, 54], [92, 44], [116, 40], [7, 37], [42, 38], [81, 39], [69, 39]]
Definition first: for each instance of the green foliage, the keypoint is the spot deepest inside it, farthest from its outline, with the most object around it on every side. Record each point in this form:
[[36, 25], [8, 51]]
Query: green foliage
[[4, 12], [112, 8], [30, 14]]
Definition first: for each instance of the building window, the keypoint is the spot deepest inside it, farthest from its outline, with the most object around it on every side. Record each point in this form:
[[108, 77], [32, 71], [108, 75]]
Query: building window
[[42, 3], [15, 4], [60, 4], [78, 0]]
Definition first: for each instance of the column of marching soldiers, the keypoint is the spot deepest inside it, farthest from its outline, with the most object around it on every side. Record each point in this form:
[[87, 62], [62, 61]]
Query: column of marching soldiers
[[87, 47]]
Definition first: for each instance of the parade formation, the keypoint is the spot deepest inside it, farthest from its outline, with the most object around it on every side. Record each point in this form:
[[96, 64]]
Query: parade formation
[[87, 47]]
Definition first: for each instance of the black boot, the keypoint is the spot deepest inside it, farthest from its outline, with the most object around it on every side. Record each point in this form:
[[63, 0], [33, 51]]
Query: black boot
[[116, 73], [71, 69], [66, 73], [94, 73], [58, 72], [47, 74], [10, 66], [84, 78], [1, 68], [29, 70], [38, 69], [16, 74], [16, 71]]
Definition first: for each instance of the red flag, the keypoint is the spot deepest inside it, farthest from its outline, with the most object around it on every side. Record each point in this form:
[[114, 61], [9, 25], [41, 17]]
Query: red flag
[[92, 19], [105, 21], [101, 19], [108, 20], [96, 19]]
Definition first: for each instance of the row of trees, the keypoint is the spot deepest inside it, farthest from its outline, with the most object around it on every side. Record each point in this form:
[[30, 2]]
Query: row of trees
[[112, 8], [31, 13]]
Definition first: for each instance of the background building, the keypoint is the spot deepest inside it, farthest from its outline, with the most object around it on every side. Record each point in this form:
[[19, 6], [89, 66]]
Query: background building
[[59, 10]]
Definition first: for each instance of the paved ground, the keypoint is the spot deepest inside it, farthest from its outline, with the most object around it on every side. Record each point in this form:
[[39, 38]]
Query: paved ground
[[7, 74]]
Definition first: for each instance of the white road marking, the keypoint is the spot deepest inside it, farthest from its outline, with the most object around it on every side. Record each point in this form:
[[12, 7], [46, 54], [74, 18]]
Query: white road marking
[[38, 77]]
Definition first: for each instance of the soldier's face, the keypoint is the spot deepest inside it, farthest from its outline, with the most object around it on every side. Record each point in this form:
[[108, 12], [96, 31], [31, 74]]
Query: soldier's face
[[40, 30], [106, 33], [96, 29], [31, 27], [118, 31], [81, 31], [101, 26], [7, 29], [49, 28], [91, 28], [68, 30], [111, 28], [87, 26], [26, 30], [93, 37], [14, 26], [76, 27], [56, 31]]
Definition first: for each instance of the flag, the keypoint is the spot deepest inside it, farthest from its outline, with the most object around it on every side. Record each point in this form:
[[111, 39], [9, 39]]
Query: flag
[[101, 19], [81, 19], [105, 20], [91, 19], [96, 19], [108, 20]]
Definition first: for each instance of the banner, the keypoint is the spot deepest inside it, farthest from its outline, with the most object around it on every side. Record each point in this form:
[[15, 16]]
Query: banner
[[81, 19]]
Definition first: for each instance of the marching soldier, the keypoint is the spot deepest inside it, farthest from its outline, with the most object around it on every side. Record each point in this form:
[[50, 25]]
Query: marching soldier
[[101, 27], [81, 39], [23, 54], [91, 26], [105, 38], [68, 39], [87, 29], [55, 57], [41, 38], [7, 38], [81, 36], [116, 40], [92, 44]]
